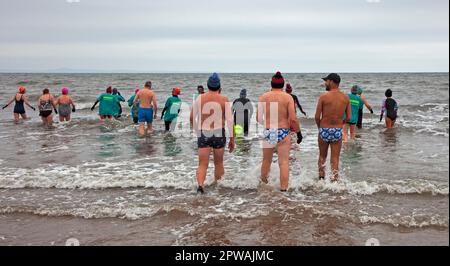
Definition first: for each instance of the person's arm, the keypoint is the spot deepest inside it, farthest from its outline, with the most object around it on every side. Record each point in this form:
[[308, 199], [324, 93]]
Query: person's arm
[[250, 109], [10, 102], [52, 99], [136, 98], [155, 106], [318, 116], [260, 111], [383, 109], [73, 105], [293, 120], [348, 112], [56, 102], [366, 103], [25, 100], [165, 108], [230, 123], [194, 112], [95, 104], [297, 102]]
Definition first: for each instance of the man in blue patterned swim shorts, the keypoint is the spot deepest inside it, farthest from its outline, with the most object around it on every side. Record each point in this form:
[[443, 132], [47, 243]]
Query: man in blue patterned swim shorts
[[278, 125], [331, 108]]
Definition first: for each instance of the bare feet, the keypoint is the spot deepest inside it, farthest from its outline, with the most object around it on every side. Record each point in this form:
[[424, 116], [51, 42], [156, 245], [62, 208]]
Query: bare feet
[[265, 180]]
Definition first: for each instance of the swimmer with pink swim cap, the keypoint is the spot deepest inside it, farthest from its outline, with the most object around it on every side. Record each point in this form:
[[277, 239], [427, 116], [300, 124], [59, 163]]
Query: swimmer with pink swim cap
[[65, 105]]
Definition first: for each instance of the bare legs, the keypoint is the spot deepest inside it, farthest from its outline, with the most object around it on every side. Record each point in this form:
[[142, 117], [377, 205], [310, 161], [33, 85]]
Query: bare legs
[[335, 154], [47, 121], [64, 118], [203, 162], [390, 123], [352, 132], [323, 153], [18, 116], [143, 131], [219, 170], [283, 149], [283, 161]]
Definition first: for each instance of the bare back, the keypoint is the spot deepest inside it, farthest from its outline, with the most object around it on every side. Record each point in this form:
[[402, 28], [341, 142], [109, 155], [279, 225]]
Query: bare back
[[147, 98], [331, 108], [282, 103], [213, 111], [64, 99]]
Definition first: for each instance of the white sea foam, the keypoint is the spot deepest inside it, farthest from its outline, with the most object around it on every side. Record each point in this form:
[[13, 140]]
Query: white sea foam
[[142, 173]]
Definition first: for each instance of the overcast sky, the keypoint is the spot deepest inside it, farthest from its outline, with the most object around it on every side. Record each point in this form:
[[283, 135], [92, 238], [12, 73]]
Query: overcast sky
[[225, 36]]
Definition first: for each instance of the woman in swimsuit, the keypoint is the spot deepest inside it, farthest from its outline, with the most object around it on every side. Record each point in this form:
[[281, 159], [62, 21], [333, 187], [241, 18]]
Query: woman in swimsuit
[[46, 105], [390, 109], [19, 108], [65, 105]]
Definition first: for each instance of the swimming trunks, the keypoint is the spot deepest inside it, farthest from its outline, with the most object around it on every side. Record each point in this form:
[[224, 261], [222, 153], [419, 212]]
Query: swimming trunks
[[64, 110], [215, 139], [145, 115], [19, 108], [331, 134], [274, 136]]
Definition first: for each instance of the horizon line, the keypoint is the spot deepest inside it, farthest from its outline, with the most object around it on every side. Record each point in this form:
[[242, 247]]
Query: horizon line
[[220, 72]]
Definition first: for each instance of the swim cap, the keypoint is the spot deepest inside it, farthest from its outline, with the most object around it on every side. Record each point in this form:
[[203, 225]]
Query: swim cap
[[355, 89], [277, 81], [288, 88], [109, 90], [176, 91], [238, 130], [243, 93], [360, 90], [65, 91], [214, 82], [22, 90]]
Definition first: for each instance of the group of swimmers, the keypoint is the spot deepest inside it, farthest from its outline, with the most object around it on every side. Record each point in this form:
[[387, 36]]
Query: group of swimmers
[[47, 104], [214, 120]]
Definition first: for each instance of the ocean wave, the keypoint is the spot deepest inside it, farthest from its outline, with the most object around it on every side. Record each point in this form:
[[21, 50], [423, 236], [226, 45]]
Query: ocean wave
[[414, 221], [134, 213], [130, 174]]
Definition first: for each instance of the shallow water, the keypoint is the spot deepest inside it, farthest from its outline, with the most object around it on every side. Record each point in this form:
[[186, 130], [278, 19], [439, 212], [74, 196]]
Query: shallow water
[[98, 182]]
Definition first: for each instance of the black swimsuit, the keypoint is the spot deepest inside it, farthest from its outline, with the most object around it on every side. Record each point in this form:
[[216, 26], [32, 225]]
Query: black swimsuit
[[19, 107]]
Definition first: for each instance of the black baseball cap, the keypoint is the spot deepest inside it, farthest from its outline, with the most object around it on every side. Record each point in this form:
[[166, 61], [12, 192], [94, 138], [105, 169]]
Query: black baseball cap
[[333, 77]]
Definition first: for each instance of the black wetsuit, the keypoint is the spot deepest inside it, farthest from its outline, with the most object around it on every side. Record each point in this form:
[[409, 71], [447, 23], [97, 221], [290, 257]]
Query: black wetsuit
[[360, 118], [243, 112]]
